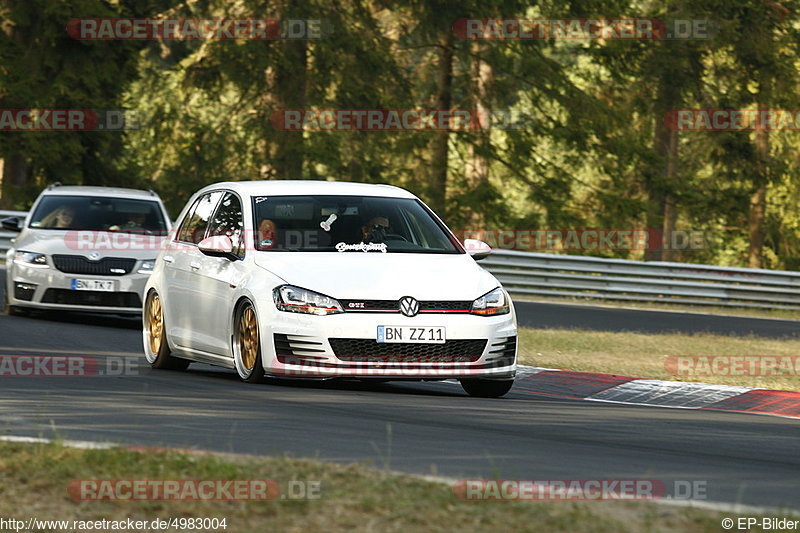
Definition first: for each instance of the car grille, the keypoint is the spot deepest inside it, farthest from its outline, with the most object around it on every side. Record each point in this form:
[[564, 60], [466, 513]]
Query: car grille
[[95, 298], [393, 306], [108, 266], [452, 351]]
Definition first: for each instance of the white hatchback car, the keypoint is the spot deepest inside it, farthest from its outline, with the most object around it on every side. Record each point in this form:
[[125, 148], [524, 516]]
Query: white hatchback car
[[311, 279], [84, 249]]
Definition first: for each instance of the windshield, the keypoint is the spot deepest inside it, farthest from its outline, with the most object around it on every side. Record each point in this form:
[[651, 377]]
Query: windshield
[[98, 214], [348, 224]]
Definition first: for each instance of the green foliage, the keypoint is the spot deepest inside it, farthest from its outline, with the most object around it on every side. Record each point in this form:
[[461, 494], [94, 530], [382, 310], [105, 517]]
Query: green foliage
[[586, 155]]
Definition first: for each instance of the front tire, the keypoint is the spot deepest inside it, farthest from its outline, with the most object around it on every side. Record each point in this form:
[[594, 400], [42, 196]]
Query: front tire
[[247, 345], [156, 347], [487, 388]]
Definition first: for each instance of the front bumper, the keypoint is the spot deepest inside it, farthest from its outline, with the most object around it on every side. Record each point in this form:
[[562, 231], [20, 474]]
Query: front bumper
[[51, 289], [345, 346]]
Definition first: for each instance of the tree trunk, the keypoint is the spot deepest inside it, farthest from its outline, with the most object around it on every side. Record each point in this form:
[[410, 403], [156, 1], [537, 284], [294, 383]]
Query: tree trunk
[[758, 201], [437, 189], [670, 202], [290, 93], [477, 171], [663, 176], [15, 178]]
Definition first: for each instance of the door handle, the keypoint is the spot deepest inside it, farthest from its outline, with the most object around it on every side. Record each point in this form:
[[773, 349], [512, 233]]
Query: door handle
[[194, 266], [168, 259]]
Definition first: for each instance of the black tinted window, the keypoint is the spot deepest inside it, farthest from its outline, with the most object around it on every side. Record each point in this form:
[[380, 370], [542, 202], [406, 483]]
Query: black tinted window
[[98, 213], [347, 223]]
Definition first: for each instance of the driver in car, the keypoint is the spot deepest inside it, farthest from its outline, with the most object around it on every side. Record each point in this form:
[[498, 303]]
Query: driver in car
[[135, 222], [375, 230]]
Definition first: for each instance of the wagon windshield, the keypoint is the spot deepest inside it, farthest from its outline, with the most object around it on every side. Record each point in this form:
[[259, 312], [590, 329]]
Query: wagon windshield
[[97, 213]]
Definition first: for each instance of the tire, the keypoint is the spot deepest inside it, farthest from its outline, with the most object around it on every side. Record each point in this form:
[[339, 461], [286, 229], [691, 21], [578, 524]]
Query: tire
[[486, 388], [156, 347], [247, 344]]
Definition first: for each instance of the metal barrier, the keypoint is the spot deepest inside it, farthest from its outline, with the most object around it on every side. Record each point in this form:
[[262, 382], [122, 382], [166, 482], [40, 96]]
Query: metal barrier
[[553, 275], [6, 236], [572, 276]]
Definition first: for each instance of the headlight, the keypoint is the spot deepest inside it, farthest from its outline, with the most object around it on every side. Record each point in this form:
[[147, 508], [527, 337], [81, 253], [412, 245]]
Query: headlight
[[31, 259], [147, 266], [492, 303], [296, 300]]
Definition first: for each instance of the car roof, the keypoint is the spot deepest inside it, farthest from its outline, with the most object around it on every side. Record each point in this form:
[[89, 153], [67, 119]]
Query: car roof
[[311, 187], [84, 190]]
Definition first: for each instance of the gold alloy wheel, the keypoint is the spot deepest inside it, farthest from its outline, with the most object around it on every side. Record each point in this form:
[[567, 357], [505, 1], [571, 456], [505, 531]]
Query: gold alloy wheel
[[248, 338], [155, 324]]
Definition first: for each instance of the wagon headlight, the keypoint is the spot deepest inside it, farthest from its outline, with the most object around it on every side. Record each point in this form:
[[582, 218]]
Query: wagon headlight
[[492, 303], [296, 300], [31, 259], [147, 266]]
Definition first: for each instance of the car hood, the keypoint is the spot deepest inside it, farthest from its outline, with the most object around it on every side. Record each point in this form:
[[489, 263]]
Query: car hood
[[106, 243], [380, 276]]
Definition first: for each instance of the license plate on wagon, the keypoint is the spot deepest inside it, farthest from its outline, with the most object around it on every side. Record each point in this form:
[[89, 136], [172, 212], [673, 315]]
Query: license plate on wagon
[[103, 285], [412, 334]]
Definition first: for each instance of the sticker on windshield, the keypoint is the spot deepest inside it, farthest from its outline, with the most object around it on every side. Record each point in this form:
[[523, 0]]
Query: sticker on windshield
[[361, 247], [326, 224], [260, 199]]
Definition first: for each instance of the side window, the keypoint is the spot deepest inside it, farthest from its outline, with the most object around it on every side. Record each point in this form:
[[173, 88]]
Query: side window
[[194, 226], [182, 234], [228, 220]]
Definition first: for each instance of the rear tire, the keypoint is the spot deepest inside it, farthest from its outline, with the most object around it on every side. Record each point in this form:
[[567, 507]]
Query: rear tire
[[247, 345], [486, 388], [156, 347]]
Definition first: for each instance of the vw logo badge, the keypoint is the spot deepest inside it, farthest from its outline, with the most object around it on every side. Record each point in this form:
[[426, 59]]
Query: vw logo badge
[[409, 306], [94, 256]]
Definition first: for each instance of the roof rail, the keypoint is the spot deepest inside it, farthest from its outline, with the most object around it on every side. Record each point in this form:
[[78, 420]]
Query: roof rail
[[152, 192], [54, 185]]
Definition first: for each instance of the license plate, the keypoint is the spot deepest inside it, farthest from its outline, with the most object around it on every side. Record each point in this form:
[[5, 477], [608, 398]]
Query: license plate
[[103, 285], [417, 334]]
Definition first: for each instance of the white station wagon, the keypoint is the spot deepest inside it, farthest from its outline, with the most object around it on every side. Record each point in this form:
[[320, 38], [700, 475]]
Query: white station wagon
[[84, 249], [321, 280]]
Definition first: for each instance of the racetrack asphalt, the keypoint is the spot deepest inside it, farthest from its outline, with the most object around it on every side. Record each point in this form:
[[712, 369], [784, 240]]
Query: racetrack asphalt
[[427, 428]]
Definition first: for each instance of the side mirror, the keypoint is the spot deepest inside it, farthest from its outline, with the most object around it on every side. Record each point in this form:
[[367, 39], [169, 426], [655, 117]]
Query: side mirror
[[12, 224], [477, 249], [218, 246]]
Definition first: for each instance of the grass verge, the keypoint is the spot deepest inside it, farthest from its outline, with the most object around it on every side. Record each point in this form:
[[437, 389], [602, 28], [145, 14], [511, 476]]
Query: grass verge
[[645, 355], [34, 480]]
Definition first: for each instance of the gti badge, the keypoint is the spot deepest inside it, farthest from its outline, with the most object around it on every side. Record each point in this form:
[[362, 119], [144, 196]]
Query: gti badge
[[409, 306]]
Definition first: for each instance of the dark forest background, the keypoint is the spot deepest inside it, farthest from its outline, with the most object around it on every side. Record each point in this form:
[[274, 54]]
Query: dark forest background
[[594, 151]]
